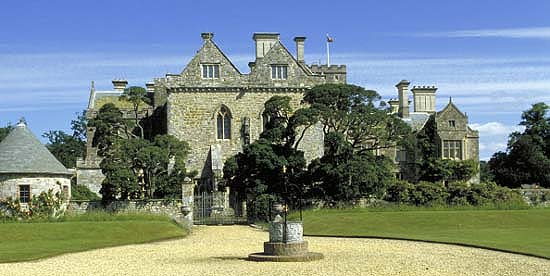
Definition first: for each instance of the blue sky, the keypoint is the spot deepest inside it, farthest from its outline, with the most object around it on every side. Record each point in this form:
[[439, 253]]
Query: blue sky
[[492, 57]]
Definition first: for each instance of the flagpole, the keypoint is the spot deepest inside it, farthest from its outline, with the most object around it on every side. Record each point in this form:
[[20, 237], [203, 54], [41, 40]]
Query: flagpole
[[328, 51]]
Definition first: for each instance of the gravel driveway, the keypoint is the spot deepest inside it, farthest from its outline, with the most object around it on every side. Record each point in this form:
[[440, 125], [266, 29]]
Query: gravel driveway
[[220, 250]]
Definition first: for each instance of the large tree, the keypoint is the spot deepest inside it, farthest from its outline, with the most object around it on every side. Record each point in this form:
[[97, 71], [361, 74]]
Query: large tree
[[138, 98], [356, 126], [353, 112], [135, 167], [259, 168], [342, 174], [67, 148], [527, 157]]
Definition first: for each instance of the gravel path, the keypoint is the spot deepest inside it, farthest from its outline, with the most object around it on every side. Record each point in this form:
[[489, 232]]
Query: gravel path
[[221, 250]]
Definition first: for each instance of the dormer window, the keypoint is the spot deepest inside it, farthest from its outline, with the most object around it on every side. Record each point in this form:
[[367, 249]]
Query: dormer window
[[210, 71], [279, 72], [452, 123]]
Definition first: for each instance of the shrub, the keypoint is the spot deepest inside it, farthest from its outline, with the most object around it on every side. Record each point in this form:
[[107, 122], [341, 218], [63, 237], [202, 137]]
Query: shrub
[[455, 194], [81, 192], [399, 191], [427, 193], [47, 205]]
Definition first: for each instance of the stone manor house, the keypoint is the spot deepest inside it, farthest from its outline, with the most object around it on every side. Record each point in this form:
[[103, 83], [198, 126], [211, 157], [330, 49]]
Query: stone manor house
[[217, 109]]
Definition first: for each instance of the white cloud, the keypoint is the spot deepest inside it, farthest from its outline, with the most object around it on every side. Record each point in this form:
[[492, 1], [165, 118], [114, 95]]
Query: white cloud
[[495, 128], [531, 32]]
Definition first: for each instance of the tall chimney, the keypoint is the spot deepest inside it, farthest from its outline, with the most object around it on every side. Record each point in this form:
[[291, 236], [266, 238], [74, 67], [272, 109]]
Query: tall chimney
[[119, 85], [402, 91], [394, 105], [264, 42], [424, 98], [150, 86], [300, 48]]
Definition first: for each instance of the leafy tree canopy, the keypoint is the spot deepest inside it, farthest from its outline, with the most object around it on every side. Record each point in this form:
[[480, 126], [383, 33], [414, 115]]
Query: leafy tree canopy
[[527, 157], [138, 97], [259, 168], [67, 148], [351, 110], [135, 167]]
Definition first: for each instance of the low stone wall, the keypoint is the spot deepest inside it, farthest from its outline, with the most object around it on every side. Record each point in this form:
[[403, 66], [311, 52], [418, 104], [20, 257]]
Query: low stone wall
[[171, 208], [536, 197]]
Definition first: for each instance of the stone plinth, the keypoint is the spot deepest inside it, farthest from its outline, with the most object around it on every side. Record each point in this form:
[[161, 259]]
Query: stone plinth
[[289, 248], [294, 231]]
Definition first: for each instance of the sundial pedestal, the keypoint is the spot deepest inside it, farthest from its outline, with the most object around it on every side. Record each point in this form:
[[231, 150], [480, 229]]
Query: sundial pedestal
[[291, 248]]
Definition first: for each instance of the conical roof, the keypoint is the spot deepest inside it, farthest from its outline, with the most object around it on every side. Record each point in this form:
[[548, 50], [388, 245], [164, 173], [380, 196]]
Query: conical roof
[[22, 152]]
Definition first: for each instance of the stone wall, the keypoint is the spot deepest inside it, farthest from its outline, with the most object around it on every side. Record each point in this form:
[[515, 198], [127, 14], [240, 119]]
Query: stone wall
[[171, 208], [535, 197], [9, 184], [88, 173], [192, 118]]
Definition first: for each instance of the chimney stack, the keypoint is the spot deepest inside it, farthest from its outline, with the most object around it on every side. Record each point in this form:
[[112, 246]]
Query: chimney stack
[[150, 86], [402, 91], [394, 106], [264, 42], [207, 36], [424, 98], [119, 85], [300, 48]]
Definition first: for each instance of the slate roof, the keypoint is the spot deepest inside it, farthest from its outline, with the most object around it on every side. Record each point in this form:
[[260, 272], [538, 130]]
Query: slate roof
[[417, 120], [22, 152]]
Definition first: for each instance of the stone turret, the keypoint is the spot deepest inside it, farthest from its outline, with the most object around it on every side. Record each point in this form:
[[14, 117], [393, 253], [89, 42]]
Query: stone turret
[[402, 91], [424, 98], [264, 42], [332, 73]]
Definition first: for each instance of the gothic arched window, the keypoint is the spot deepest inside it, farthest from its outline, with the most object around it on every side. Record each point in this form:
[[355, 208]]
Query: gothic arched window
[[224, 123]]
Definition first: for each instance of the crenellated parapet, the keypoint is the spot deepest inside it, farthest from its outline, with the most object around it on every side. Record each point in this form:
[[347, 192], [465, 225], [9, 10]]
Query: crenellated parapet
[[332, 73]]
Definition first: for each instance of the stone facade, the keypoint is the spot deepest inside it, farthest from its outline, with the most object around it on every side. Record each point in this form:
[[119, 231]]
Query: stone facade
[[193, 101], [189, 103], [28, 168], [455, 139], [38, 183]]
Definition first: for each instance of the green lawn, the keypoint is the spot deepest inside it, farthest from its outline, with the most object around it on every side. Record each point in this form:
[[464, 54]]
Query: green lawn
[[29, 241], [524, 231]]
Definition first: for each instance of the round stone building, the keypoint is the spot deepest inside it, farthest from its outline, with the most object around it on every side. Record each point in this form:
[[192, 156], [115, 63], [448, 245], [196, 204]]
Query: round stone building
[[28, 168]]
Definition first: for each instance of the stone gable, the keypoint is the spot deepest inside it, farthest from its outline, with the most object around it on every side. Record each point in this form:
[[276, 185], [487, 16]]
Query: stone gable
[[209, 53]]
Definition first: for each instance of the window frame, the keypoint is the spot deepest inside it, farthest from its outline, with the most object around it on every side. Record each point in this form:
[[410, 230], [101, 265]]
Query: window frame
[[24, 198], [452, 149], [279, 72], [223, 123], [452, 123], [210, 71]]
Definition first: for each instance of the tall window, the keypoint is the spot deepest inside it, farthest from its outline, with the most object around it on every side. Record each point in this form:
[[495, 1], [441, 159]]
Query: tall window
[[452, 149], [279, 72], [452, 123], [24, 193], [210, 71], [224, 123]]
